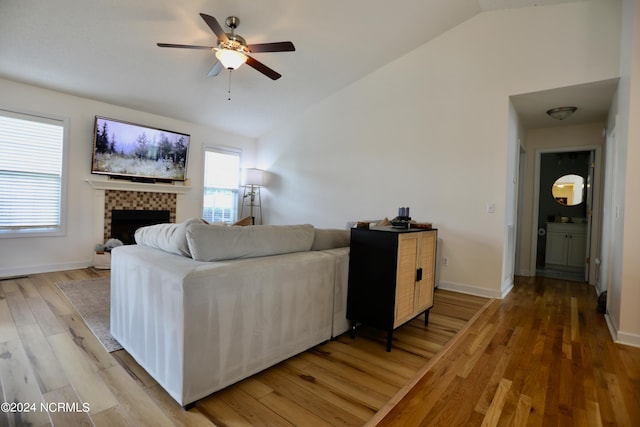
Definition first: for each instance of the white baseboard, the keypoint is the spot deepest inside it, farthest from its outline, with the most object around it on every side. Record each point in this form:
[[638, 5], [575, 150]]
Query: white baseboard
[[507, 286], [627, 338], [612, 329], [469, 289], [525, 273], [621, 337], [43, 268]]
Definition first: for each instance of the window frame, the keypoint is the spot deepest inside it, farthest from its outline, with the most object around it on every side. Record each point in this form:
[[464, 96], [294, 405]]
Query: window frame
[[228, 151], [61, 228]]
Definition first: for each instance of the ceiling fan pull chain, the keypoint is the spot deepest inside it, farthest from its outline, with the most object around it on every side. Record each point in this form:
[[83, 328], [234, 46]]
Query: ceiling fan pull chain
[[229, 89]]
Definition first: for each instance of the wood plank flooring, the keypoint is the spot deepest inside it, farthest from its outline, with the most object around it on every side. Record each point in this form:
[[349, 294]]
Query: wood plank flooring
[[343, 382], [542, 356], [48, 355]]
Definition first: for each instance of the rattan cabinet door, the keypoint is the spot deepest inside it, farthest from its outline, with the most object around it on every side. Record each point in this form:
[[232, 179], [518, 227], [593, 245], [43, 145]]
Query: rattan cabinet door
[[408, 246], [426, 266]]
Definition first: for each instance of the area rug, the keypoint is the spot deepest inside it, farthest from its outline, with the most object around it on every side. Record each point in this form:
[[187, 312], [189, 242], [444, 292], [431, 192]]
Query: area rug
[[91, 298]]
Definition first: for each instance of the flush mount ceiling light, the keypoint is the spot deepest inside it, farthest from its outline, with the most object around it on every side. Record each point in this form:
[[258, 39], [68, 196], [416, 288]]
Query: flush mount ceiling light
[[561, 113]]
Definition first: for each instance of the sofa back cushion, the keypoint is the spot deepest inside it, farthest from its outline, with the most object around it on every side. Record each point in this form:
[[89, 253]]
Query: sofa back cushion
[[168, 237], [330, 238], [217, 243]]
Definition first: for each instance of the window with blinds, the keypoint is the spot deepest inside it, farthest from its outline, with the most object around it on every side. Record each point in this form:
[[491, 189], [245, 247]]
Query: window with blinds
[[31, 174], [221, 183]]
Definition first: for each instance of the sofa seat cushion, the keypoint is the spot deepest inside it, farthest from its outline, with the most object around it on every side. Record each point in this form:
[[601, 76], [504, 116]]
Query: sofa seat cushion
[[171, 238], [217, 243]]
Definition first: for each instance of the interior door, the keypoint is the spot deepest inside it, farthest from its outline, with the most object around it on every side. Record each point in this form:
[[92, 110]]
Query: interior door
[[589, 201]]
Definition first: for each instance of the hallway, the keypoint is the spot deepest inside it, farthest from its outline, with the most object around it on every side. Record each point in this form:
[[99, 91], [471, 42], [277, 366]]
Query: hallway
[[543, 356]]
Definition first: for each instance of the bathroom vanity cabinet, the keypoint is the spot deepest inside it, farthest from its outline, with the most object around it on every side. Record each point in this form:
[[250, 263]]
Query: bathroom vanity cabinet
[[566, 246]]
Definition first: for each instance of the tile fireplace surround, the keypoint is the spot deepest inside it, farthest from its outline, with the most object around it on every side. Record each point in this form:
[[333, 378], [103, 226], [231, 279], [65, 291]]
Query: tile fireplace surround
[[136, 200], [111, 194]]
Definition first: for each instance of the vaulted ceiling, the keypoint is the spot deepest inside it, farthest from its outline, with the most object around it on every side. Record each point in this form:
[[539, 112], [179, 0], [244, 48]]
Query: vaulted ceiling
[[106, 50]]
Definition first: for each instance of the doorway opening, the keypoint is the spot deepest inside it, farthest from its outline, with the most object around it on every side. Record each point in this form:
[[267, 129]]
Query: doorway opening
[[566, 234], [562, 215]]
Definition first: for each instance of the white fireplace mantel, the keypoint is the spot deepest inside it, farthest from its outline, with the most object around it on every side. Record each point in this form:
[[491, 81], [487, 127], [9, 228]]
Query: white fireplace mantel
[[123, 185]]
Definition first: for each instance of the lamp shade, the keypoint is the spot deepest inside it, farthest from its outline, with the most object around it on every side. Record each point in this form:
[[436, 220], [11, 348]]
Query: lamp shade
[[230, 59], [253, 176]]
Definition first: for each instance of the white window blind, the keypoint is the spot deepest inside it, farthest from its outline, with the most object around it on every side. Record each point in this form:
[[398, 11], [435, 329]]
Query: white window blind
[[221, 183], [31, 153]]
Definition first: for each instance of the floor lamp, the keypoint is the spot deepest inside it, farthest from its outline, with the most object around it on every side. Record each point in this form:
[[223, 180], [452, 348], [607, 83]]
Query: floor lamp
[[252, 180]]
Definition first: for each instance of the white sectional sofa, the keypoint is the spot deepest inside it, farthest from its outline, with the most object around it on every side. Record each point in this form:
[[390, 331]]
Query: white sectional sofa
[[203, 306]]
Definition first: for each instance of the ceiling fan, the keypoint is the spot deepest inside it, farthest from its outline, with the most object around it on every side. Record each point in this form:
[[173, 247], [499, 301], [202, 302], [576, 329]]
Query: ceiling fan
[[232, 50]]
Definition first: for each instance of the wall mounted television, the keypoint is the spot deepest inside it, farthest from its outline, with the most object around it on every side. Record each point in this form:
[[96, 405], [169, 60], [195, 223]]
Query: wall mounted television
[[139, 153]]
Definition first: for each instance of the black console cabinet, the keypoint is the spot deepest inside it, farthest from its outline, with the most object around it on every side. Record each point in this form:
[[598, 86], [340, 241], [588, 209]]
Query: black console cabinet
[[391, 277]]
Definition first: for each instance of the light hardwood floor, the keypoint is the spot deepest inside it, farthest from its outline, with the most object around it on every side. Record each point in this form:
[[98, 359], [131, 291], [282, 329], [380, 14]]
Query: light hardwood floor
[[47, 354], [542, 356]]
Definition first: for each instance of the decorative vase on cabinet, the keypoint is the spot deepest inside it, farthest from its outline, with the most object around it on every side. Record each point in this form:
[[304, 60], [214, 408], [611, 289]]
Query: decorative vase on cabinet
[[391, 277]]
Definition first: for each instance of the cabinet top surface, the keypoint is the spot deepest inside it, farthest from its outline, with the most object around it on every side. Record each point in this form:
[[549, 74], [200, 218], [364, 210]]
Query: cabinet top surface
[[565, 226], [392, 229]]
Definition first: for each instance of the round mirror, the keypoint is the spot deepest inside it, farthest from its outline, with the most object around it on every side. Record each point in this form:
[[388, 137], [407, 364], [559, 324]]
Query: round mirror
[[568, 190]]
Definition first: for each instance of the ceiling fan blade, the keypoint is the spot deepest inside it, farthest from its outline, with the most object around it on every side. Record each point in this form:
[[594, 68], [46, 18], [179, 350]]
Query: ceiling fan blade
[[272, 47], [257, 65], [185, 46], [215, 27], [215, 70]]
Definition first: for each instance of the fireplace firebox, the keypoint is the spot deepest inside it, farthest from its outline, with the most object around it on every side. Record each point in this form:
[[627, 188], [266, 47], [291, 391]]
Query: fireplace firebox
[[125, 222]]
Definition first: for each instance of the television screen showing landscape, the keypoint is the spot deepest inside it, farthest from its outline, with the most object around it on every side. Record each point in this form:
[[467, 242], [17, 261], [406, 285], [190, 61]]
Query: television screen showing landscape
[[130, 150]]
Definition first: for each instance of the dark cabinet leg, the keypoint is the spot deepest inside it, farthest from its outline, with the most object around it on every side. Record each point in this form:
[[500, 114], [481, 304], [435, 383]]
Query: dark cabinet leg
[[426, 317], [389, 338]]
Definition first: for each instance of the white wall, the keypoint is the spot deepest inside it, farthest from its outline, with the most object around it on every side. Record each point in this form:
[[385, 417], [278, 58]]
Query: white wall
[[624, 286], [75, 249], [512, 160], [430, 131]]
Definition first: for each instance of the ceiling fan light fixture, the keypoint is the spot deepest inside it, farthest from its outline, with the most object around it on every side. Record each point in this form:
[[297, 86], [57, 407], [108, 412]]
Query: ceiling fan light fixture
[[561, 113], [230, 59], [232, 49]]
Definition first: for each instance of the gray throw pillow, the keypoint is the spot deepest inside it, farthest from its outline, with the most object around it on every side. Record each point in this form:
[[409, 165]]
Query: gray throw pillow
[[168, 237]]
